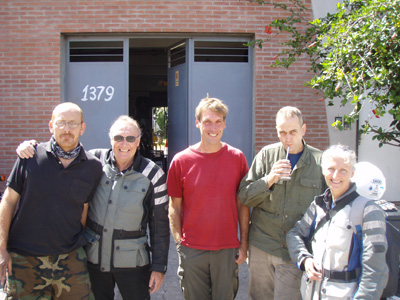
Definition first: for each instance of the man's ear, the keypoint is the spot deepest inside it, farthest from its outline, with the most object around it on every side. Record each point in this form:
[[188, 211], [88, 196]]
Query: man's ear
[[83, 128], [51, 126], [304, 129]]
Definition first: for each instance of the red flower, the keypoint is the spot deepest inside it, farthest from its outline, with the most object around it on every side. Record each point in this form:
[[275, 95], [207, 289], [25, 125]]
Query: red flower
[[374, 112], [268, 29]]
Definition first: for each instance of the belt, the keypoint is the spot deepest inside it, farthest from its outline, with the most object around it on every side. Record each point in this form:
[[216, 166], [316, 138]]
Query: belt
[[342, 275], [117, 233]]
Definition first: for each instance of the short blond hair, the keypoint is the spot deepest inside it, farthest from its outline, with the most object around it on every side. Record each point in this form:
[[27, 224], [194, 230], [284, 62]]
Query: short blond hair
[[214, 104]]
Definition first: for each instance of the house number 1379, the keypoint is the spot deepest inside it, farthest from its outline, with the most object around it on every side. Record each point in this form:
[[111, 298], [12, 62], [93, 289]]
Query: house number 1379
[[97, 93]]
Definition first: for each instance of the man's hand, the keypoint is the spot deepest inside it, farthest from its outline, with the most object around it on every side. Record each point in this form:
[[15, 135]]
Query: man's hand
[[7, 208], [5, 265], [281, 168], [244, 220], [313, 273], [26, 149], [242, 255], [156, 280]]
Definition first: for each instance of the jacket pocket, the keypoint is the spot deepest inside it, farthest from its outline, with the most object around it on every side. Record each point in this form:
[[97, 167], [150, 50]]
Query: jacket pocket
[[311, 183], [342, 230], [338, 290], [309, 188], [93, 246], [130, 253]]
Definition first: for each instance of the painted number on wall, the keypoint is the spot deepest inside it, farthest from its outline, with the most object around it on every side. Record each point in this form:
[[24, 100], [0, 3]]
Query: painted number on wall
[[98, 93]]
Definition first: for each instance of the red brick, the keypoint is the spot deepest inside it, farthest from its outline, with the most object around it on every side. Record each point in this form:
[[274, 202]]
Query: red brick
[[30, 58]]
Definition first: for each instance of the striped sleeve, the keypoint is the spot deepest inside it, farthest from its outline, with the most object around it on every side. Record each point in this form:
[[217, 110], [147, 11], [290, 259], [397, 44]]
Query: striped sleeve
[[297, 236], [157, 178], [374, 271], [158, 216]]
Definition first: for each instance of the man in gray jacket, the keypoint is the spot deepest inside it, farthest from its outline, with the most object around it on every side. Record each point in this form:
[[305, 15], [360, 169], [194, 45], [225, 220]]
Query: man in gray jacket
[[280, 185], [131, 198]]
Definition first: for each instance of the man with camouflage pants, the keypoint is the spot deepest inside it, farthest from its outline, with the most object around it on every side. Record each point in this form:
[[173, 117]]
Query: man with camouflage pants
[[43, 213]]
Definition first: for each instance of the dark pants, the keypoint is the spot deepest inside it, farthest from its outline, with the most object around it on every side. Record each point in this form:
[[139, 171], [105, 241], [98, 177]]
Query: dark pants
[[133, 284]]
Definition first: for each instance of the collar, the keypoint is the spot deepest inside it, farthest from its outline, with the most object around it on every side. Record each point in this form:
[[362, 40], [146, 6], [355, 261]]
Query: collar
[[325, 200], [61, 153], [110, 160], [351, 189], [81, 156], [305, 158]]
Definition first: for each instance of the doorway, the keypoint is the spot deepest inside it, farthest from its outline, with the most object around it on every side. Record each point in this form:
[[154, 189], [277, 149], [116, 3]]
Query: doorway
[[148, 100], [159, 81]]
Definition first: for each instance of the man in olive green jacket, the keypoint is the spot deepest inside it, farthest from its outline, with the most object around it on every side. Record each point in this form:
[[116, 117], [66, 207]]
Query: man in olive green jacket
[[280, 185]]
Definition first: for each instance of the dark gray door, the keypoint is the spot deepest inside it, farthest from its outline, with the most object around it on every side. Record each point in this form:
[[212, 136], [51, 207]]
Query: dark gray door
[[223, 70], [97, 80], [177, 99]]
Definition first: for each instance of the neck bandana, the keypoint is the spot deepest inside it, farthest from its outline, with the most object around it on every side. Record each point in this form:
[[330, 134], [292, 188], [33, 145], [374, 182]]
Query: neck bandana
[[57, 150]]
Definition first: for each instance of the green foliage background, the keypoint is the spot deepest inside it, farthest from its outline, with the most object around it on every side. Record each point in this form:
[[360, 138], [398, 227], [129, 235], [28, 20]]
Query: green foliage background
[[355, 54], [160, 114]]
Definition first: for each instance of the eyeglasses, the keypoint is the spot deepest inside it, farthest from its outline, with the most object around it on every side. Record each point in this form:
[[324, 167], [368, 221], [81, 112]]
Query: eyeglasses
[[71, 125], [129, 139]]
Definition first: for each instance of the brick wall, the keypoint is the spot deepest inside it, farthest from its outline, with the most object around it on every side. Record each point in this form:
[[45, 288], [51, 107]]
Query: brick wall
[[30, 46]]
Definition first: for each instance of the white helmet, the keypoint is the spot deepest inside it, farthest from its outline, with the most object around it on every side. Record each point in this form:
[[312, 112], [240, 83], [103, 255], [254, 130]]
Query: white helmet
[[370, 181]]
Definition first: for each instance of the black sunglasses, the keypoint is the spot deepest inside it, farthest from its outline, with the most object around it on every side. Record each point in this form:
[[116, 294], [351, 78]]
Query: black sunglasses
[[129, 139]]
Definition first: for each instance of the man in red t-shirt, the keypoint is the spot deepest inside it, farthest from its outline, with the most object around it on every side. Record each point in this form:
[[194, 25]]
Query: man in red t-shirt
[[204, 210]]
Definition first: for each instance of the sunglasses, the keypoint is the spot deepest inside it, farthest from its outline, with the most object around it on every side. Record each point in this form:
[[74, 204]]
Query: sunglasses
[[129, 139]]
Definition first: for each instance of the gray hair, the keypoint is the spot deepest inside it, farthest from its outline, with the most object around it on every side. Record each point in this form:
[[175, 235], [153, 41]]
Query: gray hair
[[344, 152], [290, 112], [127, 120]]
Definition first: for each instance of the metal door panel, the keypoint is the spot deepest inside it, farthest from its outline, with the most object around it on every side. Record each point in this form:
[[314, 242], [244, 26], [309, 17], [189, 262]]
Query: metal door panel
[[230, 82], [177, 109], [101, 90]]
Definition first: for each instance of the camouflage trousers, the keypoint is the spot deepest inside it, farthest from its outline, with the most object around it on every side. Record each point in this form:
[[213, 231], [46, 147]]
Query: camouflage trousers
[[60, 277]]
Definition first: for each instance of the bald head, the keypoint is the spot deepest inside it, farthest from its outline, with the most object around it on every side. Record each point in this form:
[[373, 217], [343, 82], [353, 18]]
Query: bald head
[[66, 106]]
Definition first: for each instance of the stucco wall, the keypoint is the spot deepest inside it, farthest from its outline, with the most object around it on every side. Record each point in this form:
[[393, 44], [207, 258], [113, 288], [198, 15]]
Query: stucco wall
[[385, 158]]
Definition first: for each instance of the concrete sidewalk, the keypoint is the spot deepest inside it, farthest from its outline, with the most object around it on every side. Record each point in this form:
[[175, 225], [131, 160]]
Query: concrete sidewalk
[[171, 290]]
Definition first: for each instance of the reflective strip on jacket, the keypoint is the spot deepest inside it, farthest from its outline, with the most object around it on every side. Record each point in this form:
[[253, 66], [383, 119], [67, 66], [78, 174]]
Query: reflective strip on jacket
[[332, 246], [124, 206]]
